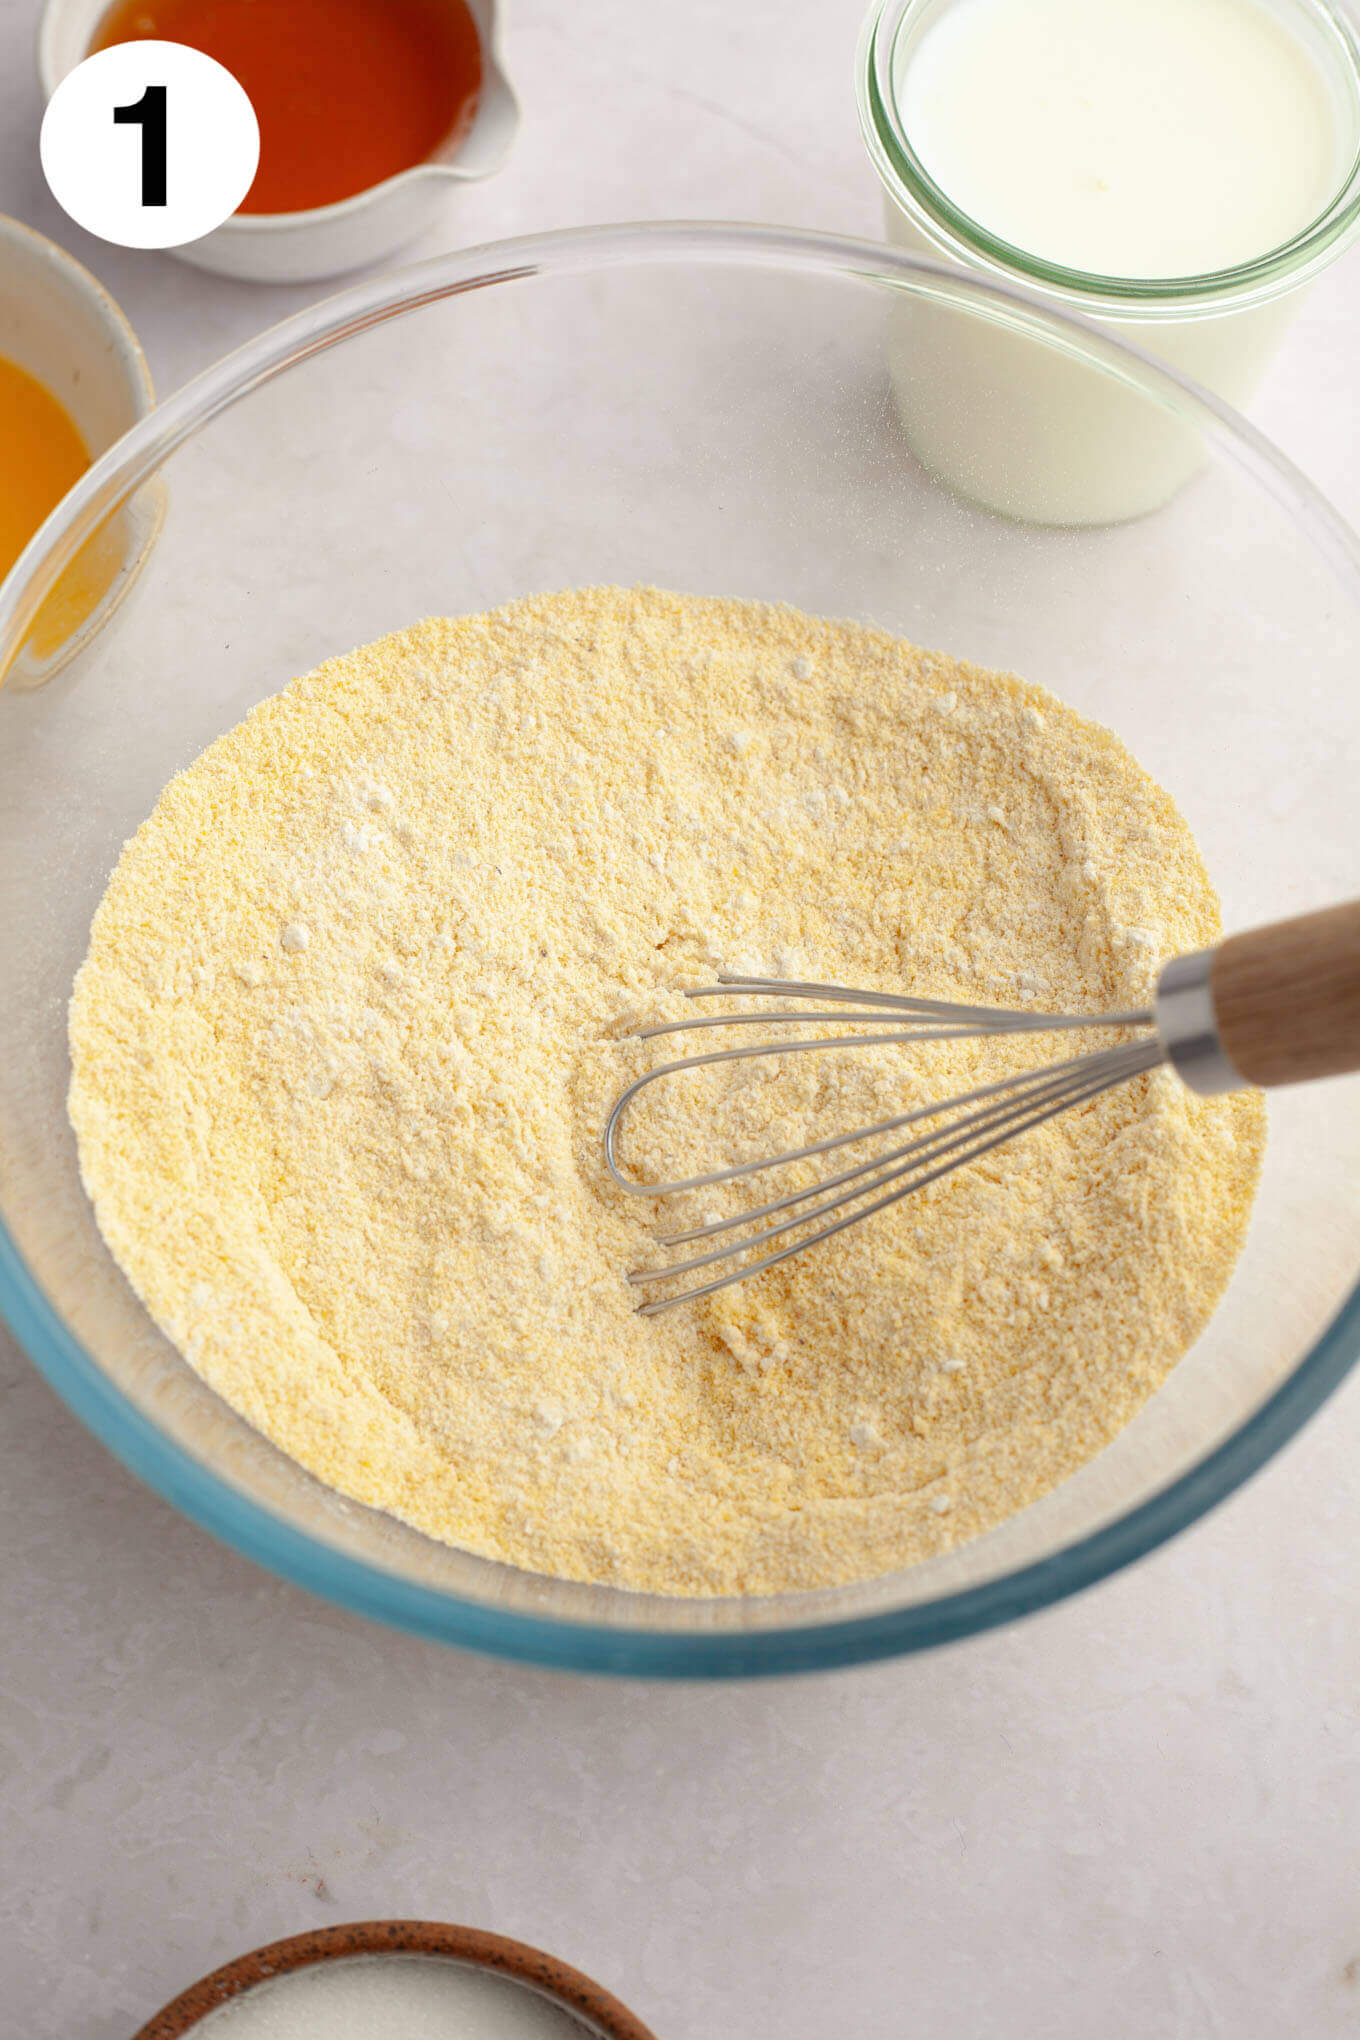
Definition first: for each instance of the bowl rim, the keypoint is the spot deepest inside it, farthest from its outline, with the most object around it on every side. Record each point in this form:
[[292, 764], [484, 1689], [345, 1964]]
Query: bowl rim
[[545, 1974], [695, 1650], [128, 348]]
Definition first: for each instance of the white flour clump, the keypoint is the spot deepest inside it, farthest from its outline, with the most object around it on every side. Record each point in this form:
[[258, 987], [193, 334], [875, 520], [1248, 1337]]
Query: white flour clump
[[354, 1009]]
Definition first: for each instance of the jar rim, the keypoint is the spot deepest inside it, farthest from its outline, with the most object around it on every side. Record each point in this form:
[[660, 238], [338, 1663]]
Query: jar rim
[[965, 239]]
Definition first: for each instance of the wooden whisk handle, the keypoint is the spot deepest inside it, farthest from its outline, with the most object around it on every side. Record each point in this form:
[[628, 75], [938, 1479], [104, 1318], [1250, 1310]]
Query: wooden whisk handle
[[1286, 998]]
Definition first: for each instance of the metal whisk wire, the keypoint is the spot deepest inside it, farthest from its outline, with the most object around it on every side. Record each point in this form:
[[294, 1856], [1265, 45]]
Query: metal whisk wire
[[990, 1115]]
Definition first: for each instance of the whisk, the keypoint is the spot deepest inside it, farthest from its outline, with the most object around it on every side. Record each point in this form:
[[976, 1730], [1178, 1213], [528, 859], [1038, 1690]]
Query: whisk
[[1280, 1005]]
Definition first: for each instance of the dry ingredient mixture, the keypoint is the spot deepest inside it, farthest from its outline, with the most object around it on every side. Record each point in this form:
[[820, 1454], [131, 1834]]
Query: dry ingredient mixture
[[354, 1009]]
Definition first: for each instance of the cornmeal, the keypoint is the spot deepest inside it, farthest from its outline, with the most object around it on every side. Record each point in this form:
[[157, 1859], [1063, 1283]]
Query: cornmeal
[[358, 997]]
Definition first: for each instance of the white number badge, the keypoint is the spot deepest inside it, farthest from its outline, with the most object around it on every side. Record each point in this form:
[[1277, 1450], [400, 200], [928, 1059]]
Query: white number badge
[[149, 144]]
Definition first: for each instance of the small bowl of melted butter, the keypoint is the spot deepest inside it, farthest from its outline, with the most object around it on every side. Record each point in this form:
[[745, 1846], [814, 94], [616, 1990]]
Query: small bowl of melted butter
[[73, 379]]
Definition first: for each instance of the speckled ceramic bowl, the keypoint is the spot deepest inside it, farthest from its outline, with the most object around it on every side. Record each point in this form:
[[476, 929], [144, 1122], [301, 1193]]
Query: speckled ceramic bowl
[[602, 2017]]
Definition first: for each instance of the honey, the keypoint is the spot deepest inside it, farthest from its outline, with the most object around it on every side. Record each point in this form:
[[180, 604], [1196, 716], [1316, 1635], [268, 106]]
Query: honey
[[346, 92]]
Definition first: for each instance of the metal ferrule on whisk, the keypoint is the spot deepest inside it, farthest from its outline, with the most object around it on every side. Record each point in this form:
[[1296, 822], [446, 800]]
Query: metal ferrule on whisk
[[1187, 1025]]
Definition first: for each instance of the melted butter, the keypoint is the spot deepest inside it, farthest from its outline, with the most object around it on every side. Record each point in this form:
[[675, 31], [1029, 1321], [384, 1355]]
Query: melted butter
[[41, 455]]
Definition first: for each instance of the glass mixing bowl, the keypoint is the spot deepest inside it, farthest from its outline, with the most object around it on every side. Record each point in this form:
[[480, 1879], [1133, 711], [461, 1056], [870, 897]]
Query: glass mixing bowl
[[707, 408]]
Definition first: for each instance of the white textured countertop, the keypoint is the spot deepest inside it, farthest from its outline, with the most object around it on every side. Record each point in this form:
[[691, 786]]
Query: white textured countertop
[[1135, 1815]]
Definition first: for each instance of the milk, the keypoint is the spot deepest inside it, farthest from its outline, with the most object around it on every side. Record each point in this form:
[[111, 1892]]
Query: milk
[[1130, 138], [392, 1997], [1153, 149]]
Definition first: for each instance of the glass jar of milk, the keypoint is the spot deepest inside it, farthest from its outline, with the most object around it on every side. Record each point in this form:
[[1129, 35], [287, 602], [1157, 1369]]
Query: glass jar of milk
[[1177, 170]]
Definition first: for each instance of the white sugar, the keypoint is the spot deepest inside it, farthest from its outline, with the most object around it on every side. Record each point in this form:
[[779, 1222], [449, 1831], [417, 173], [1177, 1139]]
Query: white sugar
[[392, 1997]]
